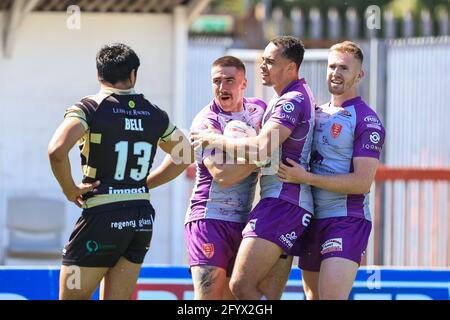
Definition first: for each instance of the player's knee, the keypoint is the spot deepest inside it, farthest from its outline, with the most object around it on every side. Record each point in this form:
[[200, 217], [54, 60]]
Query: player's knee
[[333, 294], [311, 294], [74, 295], [240, 288], [271, 292]]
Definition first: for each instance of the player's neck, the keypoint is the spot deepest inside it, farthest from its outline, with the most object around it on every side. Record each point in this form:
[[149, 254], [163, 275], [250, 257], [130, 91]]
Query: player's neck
[[118, 85], [236, 108], [339, 100], [283, 85]]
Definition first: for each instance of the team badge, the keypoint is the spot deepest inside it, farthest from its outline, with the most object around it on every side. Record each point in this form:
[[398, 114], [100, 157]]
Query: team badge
[[208, 250], [336, 130]]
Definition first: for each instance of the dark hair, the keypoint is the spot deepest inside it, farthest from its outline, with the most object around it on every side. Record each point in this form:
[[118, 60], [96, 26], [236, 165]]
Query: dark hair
[[349, 47], [229, 61], [293, 48], [115, 62]]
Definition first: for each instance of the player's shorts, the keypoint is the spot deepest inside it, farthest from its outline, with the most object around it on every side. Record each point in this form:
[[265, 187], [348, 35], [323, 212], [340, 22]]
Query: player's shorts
[[100, 238], [344, 237], [278, 221], [212, 242]]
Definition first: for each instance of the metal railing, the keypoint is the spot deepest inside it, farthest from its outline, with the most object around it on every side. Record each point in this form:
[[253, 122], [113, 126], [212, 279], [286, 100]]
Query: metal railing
[[411, 220]]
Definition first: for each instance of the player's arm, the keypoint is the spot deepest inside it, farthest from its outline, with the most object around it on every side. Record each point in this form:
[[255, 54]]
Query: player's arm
[[64, 138], [260, 148], [357, 182], [179, 156], [227, 175]]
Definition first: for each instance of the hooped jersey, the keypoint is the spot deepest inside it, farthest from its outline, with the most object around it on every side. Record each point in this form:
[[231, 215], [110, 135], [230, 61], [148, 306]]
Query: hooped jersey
[[119, 145]]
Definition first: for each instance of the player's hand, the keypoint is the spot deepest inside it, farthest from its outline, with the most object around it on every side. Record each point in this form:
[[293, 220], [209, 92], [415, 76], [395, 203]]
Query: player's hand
[[294, 173], [206, 139], [74, 195]]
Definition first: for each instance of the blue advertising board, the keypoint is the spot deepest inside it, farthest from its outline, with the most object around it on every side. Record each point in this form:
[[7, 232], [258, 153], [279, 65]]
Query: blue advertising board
[[169, 283]]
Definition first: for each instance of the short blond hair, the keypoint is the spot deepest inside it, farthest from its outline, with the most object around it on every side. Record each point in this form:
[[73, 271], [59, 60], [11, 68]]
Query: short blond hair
[[349, 47]]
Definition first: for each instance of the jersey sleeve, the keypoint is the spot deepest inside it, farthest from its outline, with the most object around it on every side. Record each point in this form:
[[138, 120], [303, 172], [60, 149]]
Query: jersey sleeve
[[166, 127], [369, 140], [205, 124], [83, 111], [289, 111]]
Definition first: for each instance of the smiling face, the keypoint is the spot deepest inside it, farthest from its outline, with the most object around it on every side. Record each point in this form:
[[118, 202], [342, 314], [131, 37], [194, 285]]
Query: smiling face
[[276, 70], [228, 85], [343, 74]]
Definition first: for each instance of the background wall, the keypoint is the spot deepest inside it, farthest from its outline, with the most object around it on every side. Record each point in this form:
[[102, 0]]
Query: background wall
[[55, 67]]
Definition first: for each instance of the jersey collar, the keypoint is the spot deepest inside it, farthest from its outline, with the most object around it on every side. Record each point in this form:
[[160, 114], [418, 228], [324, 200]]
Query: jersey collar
[[293, 86], [109, 90], [351, 102]]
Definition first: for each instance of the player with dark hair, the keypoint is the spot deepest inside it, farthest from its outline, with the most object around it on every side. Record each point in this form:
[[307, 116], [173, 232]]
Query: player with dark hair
[[276, 223], [118, 132]]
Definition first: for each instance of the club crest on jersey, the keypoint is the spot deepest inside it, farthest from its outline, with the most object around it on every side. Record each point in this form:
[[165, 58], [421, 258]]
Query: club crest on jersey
[[336, 129], [208, 250]]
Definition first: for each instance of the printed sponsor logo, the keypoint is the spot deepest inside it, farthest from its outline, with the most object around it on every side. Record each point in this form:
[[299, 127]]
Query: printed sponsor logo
[[92, 246], [372, 119], [374, 126], [288, 107], [251, 226], [332, 245], [371, 147], [375, 137], [299, 97], [288, 239], [336, 129], [123, 224], [132, 112], [208, 250], [288, 117], [127, 191], [145, 222]]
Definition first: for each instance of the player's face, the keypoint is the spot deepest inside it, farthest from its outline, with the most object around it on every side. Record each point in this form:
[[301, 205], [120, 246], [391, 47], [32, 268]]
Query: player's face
[[228, 84], [344, 72], [274, 66]]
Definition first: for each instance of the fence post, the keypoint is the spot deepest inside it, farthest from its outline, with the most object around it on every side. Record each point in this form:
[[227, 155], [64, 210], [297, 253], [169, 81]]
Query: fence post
[[426, 23], [315, 19], [278, 19], [443, 23], [352, 23], [408, 25], [298, 29], [389, 25], [334, 24]]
